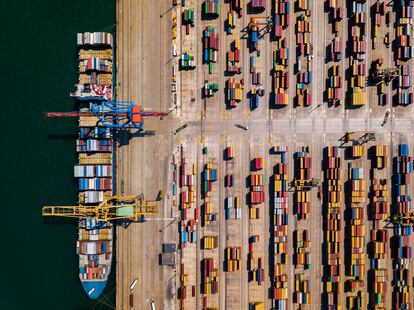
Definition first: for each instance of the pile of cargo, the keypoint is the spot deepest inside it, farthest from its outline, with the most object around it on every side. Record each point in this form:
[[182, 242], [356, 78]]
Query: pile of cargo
[[187, 62], [279, 278], [233, 57], [211, 7], [303, 173], [256, 271], [210, 89], [187, 201], [402, 250], [337, 14], [232, 259], [234, 92], [357, 84], [403, 31], [209, 277], [210, 46], [188, 19], [301, 249], [233, 203], [258, 4], [208, 177], [334, 85], [281, 16], [356, 261], [280, 79], [305, 48], [301, 294], [332, 224]]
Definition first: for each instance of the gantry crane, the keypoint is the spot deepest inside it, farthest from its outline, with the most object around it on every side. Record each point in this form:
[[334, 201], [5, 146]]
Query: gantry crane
[[113, 114], [302, 184], [255, 22], [358, 137], [402, 220], [130, 208], [385, 75]]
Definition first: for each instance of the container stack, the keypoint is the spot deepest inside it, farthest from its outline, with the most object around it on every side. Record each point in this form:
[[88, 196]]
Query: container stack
[[256, 76], [304, 44], [229, 180], [209, 242], [358, 30], [355, 268], [211, 8], [356, 302], [255, 267], [210, 47], [280, 80], [95, 66], [228, 153], [301, 294], [231, 21], [234, 92], [303, 172], [381, 156], [379, 10], [233, 203], [188, 19], [182, 290], [188, 209], [357, 84], [358, 151], [233, 58], [337, 14], [281, 17], [258, 4], [402, 250], [209, 277], [334, 82], [232, 259], [404, 21], [256, 306], [254, 29], [380, 206], [301, 248], [256, 194], [208, 177], [210, 89], [280, 229], [335, 51], [332, 224], [404, 97], [187, 62], [254, 97]]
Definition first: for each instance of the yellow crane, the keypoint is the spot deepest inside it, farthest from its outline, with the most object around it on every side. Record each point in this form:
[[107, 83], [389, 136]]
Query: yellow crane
[[358, 137], [112, 208], [302, 184], [402, 220]]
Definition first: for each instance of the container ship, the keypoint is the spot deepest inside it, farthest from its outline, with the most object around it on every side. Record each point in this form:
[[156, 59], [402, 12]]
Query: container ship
[[94, 168]]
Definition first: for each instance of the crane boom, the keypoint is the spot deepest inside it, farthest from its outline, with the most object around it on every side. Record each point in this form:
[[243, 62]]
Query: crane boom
[[112, 208]]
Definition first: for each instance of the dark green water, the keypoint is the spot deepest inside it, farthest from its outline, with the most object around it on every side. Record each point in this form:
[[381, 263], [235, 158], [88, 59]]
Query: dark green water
[[38, 68]]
